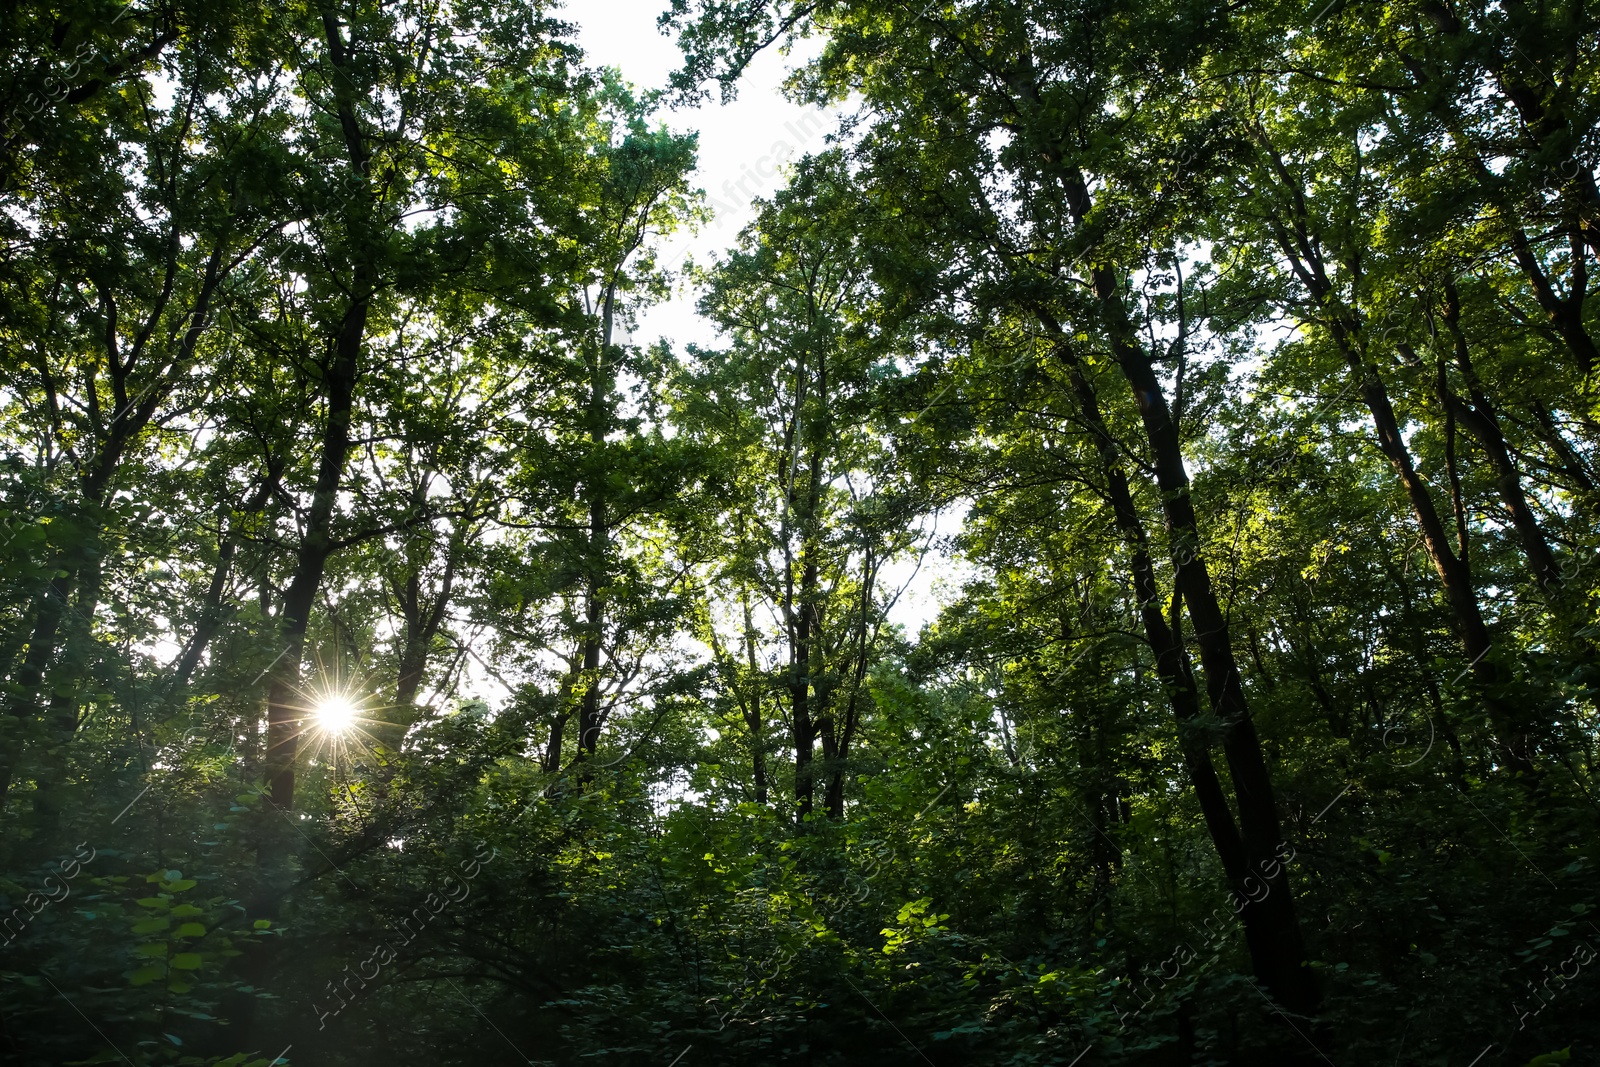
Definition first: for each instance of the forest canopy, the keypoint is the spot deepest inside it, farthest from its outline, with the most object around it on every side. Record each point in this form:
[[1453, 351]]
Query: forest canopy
[[407, 661]]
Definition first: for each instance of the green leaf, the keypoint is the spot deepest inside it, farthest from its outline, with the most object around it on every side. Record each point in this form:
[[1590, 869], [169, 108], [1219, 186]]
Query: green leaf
[[1550, 1059], [186, 961]]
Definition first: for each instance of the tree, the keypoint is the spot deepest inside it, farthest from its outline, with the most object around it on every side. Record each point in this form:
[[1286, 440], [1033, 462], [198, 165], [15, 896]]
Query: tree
[[819, 511]]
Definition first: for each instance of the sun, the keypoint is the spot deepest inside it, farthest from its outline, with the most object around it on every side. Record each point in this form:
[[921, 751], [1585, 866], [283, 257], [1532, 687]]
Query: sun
[[335, 715]]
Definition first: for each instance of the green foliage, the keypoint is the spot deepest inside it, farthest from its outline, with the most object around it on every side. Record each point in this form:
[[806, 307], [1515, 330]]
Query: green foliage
[[1242, 358]]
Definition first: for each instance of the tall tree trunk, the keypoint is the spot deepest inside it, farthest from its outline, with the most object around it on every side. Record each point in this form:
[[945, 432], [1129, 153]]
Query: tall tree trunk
[[800, 668], [810, 709], [342, 368], [844, 728], [1276, 945], [1565, 313], [594, 631], [284, 722], [341, 374], [551, 761], [1271, 928], [1295, 239], [423, 620], [589, 705], [753, 721], [212, 611], [81, 568], [22, 709], [801, 618], [1455, 576], [1482, 421], [597, 546]]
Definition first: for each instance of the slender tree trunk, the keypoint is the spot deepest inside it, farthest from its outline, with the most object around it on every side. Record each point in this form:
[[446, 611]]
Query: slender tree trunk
[[551, 762], [753, 721], [1271, 932], [75, 590], [23, 708], [210, 619], [801, 618], [827, 733], [595, 552], [212, 613], [805, 731], [79, 579], [1295, 240], [844, 729], [284, 720], [342, 373], [423, 620], [1482, 421], [589, 705], [283, 700], [1565, 314], [1455, 576], [594, 628]]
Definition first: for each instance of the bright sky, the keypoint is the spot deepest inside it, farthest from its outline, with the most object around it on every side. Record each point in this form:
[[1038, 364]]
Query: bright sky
[[743, 147]]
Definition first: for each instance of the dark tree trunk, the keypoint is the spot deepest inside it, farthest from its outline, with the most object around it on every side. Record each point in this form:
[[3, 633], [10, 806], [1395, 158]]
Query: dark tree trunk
[[805, 731], [341, 374], [284, 720], [423, 620], [843, 728], [1295, 240], [82, 568], [1455, 576], [1565, 314], [1271, 929], [589, 705], [758, 756], [212, 612], [1482, 420], [597, 546]]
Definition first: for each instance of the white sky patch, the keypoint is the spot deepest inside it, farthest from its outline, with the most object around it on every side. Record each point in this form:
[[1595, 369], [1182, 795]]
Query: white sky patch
[[927, 583], [746, 149], [744, 146]]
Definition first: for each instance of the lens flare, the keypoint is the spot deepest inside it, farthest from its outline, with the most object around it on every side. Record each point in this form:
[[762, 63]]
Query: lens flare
[[335, 715]]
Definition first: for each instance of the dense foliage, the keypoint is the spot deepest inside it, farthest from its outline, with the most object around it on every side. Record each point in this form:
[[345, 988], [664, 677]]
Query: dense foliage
[[406, 664]]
